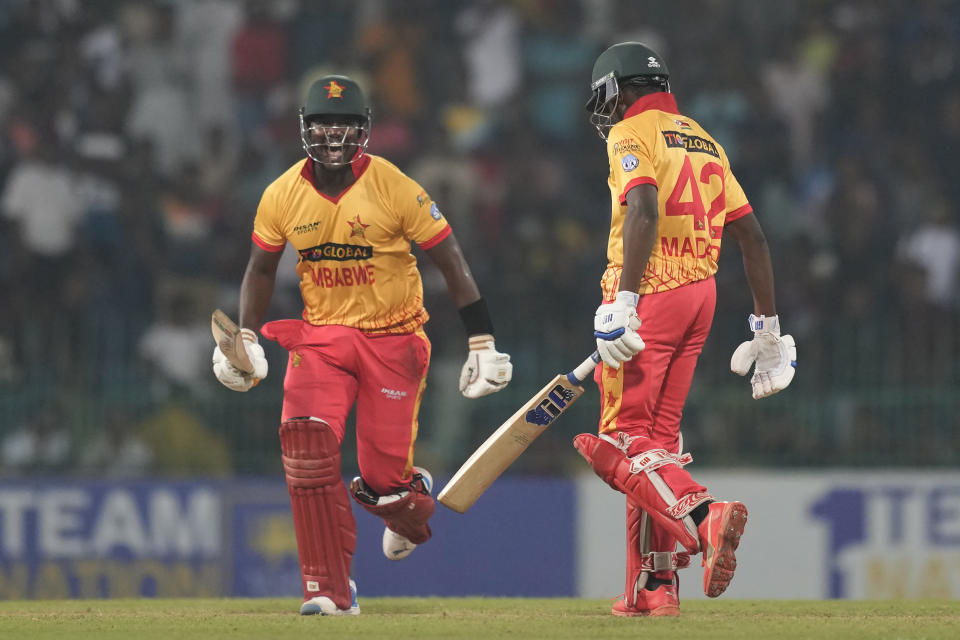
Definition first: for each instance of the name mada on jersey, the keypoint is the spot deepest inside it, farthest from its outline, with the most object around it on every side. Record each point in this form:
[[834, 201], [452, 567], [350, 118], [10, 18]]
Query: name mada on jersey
[[699, 248]]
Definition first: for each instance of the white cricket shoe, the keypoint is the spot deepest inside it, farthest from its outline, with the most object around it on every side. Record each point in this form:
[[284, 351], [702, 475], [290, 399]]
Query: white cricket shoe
[[324, 606], [395, 546]]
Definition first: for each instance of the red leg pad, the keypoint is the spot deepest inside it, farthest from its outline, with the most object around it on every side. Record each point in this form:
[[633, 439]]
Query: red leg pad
[[635, 550], [613, 467], [322, 519], [407, 516]]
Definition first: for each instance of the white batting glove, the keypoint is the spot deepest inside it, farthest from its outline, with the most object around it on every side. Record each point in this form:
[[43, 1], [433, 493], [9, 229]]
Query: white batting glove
[[615, 328], [775, 357], [486, 370], [233, 378]]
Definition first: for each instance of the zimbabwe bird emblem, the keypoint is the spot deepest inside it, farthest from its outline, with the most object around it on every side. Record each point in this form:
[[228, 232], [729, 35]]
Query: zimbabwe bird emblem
[[358, 229], [334, 90]]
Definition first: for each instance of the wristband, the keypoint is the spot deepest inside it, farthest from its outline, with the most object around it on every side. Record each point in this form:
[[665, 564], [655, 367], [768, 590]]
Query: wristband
[[476, 318]]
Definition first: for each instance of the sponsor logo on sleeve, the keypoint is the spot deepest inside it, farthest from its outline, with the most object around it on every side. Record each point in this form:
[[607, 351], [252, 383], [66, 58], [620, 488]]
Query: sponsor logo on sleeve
[[629, 162], [435, 211], [627, 145]]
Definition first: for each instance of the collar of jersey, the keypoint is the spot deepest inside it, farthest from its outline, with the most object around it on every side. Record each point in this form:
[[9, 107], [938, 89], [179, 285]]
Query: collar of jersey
[[358, 168], [662, 101]]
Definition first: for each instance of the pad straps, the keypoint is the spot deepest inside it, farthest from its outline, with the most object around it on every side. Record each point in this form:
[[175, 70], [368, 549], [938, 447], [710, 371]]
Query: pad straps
[[664, 561], [655, 458]]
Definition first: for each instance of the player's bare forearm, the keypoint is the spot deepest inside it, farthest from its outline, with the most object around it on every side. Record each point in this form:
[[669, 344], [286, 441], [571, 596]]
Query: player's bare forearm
[[257, 286], [639, 235], [448, 257], [756, 262]]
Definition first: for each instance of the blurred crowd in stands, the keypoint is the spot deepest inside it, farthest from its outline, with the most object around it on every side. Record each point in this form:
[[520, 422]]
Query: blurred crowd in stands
[[137, 137]]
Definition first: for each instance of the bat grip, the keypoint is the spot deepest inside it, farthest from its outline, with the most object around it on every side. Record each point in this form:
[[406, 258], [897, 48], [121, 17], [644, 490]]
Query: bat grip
[[584, 369]]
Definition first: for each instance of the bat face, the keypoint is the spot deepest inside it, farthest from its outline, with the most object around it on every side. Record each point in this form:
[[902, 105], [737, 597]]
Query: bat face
[[552, 406], [506, 444], [514, 436]]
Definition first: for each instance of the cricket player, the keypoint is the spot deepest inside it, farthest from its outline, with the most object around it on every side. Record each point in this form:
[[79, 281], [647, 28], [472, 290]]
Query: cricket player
[[351, 216], [674, 196]]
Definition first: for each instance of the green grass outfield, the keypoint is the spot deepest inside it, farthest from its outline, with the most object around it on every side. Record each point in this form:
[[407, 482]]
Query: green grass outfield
[[420, 618]]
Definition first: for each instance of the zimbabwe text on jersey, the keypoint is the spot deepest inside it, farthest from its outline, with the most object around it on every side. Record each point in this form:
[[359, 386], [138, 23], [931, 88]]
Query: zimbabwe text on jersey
[[328, 278]]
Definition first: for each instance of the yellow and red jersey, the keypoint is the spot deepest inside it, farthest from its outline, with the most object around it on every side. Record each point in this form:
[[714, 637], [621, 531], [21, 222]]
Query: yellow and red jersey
[[696, 191], [355, 264]]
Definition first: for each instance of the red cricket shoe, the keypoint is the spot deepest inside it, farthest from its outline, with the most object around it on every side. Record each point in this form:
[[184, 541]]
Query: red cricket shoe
[[720, 535], [662, 601]]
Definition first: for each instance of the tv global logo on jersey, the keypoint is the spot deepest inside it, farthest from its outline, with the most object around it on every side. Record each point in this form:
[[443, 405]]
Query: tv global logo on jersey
[[892, 540]]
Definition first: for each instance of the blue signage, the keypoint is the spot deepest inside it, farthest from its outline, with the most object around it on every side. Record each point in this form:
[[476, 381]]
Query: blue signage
[[106, 539]]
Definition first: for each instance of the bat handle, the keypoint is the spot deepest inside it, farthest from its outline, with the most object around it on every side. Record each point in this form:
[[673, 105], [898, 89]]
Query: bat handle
[[584, 369]]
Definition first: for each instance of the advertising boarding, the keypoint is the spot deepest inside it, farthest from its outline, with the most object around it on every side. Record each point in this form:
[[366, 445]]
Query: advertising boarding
[[810, 535]]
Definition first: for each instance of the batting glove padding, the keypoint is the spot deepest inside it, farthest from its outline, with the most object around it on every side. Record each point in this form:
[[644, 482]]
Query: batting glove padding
[[233, 378], [486, 370], [615, 328], [774, 357]]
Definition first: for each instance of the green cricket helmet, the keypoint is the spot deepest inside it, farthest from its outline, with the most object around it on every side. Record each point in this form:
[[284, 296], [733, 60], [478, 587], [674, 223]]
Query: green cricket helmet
[[335, 121], [626, 63]]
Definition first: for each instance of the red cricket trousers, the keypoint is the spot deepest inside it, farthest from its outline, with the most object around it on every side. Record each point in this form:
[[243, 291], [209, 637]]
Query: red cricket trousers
[[331, 368], [644, 398]]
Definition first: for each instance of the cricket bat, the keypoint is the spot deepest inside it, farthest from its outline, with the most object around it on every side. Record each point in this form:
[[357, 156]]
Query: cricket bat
[[227, 336], [514, 436]]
